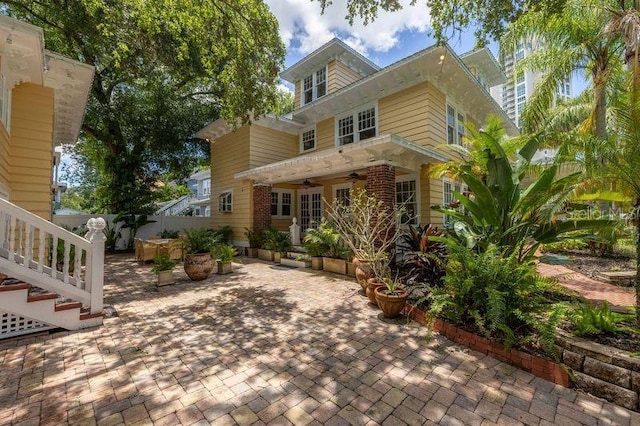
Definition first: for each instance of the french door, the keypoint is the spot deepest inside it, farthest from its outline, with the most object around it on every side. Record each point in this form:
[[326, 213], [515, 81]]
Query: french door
[[309, 207]]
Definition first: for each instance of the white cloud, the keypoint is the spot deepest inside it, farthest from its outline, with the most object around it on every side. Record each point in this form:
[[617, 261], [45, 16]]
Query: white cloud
[[302, 21]]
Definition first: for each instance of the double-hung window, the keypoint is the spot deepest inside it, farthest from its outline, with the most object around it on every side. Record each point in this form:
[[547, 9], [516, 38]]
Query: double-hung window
[[455, 126], [448, 200], [281, 202], [314, 86], [407, 198], [225, 201], [357, 126], [308, 140]]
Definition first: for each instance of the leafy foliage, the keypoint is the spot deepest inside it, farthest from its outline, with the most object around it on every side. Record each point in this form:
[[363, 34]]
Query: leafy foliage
[[162, 262], [169, 234], [326, 241], [255, 238], [592, 320], [223, 252], [501, 296], [422, 260], [200, 240], [163, 69]]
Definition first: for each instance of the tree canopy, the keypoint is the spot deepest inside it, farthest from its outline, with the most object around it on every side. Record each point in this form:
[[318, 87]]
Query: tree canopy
[[164, 68]]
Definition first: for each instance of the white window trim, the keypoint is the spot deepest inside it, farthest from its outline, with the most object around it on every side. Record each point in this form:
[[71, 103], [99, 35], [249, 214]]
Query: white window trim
[[458, 111], [314, 84], [281, 191], [415, 177], [463, 188], [354, 113], [336, 187], [224, 193], [315, 139]]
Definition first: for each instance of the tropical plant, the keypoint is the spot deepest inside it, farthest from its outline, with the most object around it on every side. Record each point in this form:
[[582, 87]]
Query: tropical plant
[[326, 240], [133, 223], [505, 212], [503, 297], [223, 233], [255, 238], [223, 252], [590, 320], [199, 240], [421, 260], [369, 228], [316, 242], [162, 262], [167, 234]]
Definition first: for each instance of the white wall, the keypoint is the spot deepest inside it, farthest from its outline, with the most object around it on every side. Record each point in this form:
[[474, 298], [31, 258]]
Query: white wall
[[170, 223]]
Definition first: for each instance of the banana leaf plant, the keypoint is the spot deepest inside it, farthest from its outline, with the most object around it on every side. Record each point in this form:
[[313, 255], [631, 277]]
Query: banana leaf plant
[[511, 207]]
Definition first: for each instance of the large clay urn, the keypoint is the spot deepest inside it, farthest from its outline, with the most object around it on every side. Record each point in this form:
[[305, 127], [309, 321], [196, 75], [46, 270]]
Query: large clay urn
[[198, 266], [364, 271], [391, 304]]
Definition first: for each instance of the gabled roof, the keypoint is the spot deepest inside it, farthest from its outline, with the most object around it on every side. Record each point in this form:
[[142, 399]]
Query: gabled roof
[[221, 127], [24, 60], [334, 49], [484, 60]]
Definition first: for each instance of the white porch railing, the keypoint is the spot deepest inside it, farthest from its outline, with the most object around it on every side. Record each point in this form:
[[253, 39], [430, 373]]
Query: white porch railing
[[36, 251]]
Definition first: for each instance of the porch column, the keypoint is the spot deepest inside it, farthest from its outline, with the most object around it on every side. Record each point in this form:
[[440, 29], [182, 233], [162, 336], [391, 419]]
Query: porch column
[[261, 207], [381, 183]]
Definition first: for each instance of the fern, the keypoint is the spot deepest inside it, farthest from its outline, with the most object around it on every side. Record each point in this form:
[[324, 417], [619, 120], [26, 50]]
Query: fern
[[592, 321]]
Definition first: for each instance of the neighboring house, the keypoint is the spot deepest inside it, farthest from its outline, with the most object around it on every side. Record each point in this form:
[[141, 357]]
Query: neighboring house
[[43, 97], [513, 94], [195, 204], [354, 125]]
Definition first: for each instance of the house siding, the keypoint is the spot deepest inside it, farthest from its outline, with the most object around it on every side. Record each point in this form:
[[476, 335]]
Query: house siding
[[268, 146], [297, 90], [230, 155], [4, 158], [31, 148], [343, 76], [325, 134]]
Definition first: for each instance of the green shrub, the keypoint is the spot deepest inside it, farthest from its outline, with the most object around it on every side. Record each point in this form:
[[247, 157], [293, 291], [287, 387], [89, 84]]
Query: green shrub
[[162, 262], [223, 252], [592, 320], [169, 234], [223, 233], [199, 240], [254, 238], [500, 296], [276, 240], [325, 241], [563, 245]]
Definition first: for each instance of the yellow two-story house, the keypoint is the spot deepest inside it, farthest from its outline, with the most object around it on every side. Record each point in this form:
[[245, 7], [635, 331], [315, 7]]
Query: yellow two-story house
[[354, 125]]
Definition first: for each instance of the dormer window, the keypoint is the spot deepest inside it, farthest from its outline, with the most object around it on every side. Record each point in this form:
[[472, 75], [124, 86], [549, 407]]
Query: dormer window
[[314, 86]]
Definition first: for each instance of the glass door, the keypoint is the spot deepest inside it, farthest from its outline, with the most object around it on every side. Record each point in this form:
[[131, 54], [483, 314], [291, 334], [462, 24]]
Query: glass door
[[310, 207]]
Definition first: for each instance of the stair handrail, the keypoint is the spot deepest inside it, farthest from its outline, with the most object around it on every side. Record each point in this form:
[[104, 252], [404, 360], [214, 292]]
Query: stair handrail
[[23, 249]]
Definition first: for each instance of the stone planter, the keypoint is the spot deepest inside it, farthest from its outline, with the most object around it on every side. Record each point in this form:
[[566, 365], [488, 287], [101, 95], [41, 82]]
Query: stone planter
[[252, 252], [165, 278], [198, 266], [351, 270], [265, 255], [390, 304], [337, 266], [224, 267], [277, 256], [295, 263], [317, 263]]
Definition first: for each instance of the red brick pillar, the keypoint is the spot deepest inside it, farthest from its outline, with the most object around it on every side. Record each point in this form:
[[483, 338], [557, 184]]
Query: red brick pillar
[[261, 207], [381, 183]]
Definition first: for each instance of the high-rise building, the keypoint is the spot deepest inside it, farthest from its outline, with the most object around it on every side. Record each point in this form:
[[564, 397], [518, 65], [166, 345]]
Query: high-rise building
[[513, 95]]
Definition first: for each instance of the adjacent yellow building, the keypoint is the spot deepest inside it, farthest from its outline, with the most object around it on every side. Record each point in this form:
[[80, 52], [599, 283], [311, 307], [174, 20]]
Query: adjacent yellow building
[[354, 125]]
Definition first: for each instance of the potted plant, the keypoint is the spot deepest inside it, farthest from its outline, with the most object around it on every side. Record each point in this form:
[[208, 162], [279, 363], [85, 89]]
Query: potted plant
[[316, 245], [255, 242], [197, 261], [391, 297], [269, 237], [163, 267], [224, 254], [334, 259], [281, 245]]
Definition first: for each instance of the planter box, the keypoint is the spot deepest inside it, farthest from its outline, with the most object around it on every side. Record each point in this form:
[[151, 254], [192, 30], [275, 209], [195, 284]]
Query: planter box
[[277, 256], [252, 252], [351, 270], [165, 278], [317, 263], [224, 268], [338, 266], [295, 263], [265, 255]]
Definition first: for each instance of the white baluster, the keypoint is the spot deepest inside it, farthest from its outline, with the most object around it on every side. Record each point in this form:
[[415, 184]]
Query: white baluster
[[20, 248], [28, 243], [54, 258], [3, 230], [97, 265], [65, 265], [12, 238], [77, 265], [41, 249]]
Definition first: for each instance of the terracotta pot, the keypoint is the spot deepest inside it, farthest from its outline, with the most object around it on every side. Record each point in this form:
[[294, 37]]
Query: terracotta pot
[[198, 266], [363, 272], [372, 285], [391, 304]]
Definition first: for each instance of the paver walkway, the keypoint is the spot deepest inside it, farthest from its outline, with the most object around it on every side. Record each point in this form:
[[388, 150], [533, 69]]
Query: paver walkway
[[267, 345], [588, 287]]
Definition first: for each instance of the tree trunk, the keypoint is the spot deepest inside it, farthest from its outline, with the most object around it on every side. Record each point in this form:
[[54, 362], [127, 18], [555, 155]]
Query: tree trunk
[[637, 282]]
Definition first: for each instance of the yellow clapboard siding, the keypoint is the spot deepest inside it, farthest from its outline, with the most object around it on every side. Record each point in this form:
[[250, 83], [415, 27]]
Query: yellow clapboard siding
[[406, 114], [269, 146], [297, 94], [230, 155], [332, 84], [31, 148], [325, 134], [4, 156], [345, 76]]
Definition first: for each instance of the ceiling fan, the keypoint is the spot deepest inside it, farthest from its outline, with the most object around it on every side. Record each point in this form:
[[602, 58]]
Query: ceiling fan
[[307, 184], [353, 176]]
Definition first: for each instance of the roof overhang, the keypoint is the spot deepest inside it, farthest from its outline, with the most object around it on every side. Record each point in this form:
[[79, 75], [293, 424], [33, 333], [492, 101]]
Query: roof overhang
[[221, 127], [71, 81], [389, 149], [438, 65], [334, 49], [484, 60], [22, 51]]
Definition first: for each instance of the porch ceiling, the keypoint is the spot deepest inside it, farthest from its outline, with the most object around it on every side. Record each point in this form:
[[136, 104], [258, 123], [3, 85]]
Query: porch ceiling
[[385, 149]]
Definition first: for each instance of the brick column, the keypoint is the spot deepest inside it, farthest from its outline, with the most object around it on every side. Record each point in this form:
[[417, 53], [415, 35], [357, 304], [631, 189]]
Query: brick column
[[381, 183], [261, 207]]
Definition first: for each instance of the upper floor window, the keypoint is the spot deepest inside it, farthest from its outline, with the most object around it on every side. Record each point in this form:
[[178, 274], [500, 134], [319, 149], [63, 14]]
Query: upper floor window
[[314, 86], [357, 126], [308, 140], [225, 201], [455, 126]]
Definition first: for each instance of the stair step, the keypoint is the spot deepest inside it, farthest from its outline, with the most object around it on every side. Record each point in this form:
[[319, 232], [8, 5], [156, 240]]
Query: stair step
[[89, 315], [41, 296], [68, 305], [12, 287]]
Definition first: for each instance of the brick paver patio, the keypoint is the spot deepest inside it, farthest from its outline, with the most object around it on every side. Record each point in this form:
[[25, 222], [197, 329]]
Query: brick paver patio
[[267, 345]]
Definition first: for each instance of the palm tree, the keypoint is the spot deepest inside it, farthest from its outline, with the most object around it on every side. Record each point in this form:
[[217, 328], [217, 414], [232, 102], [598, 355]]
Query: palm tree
[[568, 41]]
